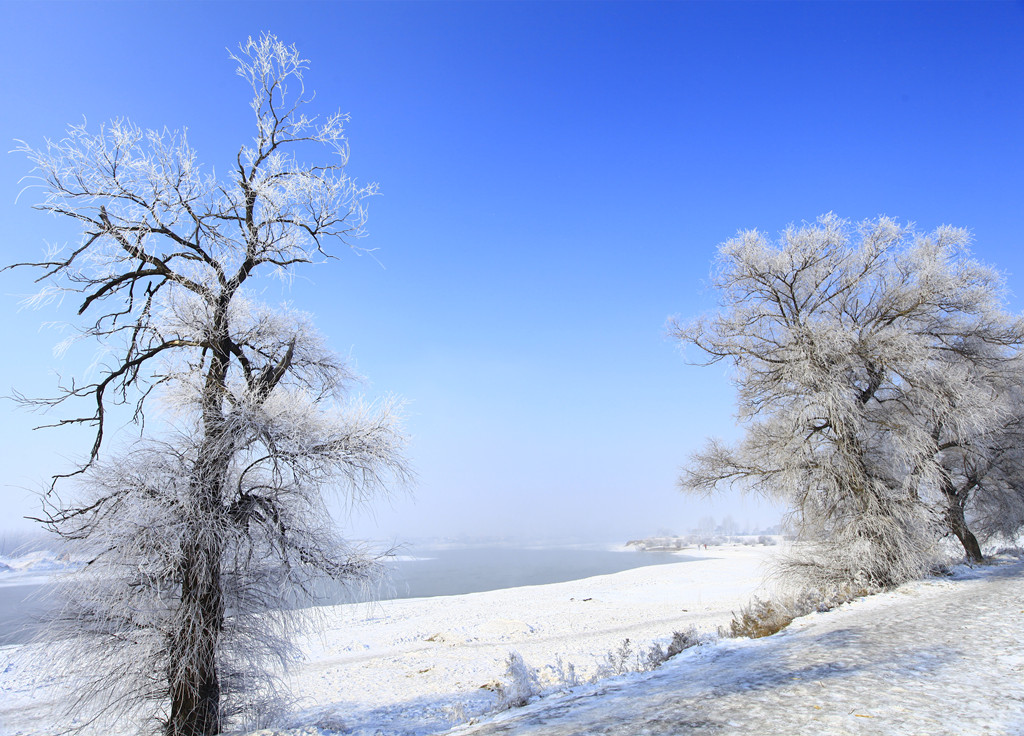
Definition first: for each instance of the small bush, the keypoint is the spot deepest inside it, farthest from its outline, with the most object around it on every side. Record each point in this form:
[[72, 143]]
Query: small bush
[[624, 659], [764, 618], [563, 673], [618, 661], [681, 641], [657, 655], [523, 683], [759, 618]]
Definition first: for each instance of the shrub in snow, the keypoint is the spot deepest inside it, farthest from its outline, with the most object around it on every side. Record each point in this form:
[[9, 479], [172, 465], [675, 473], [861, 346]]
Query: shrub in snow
[[618, 661], [521, 683], [766, 617], [626, 659], [759, 618], [657, 654], [563, 673]]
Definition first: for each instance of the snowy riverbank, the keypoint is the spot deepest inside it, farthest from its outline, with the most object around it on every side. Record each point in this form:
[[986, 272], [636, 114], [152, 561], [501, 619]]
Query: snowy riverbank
[[944, 655], [422, 665], [419, 666]]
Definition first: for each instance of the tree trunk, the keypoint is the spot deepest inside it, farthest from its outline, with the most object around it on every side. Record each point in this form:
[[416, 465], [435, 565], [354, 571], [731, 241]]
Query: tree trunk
[[958, 525], [193, 678], [194, 683]]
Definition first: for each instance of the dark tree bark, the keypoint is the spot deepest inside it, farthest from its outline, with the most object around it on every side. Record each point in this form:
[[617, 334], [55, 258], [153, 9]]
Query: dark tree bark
[[957, 522], [194, 680], [194, 687], [194, 690]]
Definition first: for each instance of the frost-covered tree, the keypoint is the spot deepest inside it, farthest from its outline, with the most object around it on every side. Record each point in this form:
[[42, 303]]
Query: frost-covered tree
[[199, 541], [862, 357], [981, 476]]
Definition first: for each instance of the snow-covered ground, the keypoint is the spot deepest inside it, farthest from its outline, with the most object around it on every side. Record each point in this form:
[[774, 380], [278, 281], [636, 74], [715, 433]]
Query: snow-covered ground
[[942, 656], [420, 665], [939, 657]]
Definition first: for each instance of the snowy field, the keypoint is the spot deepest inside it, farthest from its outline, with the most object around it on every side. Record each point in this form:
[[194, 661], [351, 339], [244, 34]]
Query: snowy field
[[943, 656], [420, 665]]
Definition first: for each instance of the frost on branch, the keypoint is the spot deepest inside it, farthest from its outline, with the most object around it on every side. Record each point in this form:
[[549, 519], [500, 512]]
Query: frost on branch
[[204, 537], [874, 369], [123, 619], [521, 684], [157, 229]]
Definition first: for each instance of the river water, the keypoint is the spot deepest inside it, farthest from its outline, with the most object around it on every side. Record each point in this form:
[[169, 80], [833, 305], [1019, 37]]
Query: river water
[[415, 574]]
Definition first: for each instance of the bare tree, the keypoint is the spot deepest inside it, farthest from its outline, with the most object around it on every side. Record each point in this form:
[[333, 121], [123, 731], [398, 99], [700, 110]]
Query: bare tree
[[857, 354], [197, 540]]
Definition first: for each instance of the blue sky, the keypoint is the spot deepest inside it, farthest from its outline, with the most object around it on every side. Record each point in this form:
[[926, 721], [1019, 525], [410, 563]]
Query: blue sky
[[555, 178]]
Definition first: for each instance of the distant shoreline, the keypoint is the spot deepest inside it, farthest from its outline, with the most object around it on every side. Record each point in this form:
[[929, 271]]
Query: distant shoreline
[[417, 573], [700, 541]]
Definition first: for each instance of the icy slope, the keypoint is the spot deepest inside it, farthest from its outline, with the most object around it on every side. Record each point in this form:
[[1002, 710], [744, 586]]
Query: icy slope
[[935, 657]]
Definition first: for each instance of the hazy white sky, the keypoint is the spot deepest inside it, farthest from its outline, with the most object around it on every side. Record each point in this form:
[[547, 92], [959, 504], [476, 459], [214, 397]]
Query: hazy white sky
[[555, 179]]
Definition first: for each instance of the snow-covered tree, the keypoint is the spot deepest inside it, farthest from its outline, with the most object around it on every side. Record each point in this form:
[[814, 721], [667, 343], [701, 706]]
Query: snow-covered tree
[[862, 356], [199, 541], [982, 476]]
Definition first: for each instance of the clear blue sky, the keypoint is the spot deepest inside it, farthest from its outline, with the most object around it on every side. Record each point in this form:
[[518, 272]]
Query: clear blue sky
[[555, 177]]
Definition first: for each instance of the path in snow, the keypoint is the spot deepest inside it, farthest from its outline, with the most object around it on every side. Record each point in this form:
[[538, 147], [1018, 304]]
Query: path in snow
[[934, 657]]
